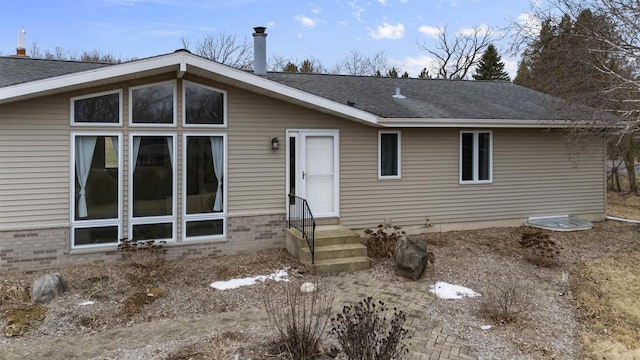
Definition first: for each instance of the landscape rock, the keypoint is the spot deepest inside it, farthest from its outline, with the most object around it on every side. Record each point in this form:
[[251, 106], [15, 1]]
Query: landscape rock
[[47, 287], [411, 257]]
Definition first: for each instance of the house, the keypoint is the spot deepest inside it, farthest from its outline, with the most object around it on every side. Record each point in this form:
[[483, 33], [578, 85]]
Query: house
[[203, 155]]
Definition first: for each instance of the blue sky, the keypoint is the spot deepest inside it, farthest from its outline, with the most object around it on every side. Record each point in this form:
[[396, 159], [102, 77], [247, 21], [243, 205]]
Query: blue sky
[[327, 30]]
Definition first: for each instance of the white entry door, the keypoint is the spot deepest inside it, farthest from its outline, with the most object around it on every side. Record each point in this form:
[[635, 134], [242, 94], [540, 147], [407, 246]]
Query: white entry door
[[317, 171]]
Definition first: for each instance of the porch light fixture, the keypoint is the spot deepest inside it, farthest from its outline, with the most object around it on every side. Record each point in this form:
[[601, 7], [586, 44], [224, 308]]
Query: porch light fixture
[[275, 143]]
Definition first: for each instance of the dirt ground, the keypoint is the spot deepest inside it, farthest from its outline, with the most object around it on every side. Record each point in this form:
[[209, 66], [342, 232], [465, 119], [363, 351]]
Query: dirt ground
[[584, 304]]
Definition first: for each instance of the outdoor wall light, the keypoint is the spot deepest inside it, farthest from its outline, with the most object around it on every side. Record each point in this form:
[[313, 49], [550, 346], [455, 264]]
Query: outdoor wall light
[[275, 143]]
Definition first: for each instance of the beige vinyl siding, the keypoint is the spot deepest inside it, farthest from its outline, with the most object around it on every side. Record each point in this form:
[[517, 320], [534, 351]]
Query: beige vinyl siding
[[533, 174], [34, 162]]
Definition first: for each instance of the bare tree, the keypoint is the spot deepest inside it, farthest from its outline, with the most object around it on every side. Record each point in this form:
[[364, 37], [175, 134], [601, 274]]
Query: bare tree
[[588, 55], [357, 63], [457, 53], [223, 48], [278, 62]]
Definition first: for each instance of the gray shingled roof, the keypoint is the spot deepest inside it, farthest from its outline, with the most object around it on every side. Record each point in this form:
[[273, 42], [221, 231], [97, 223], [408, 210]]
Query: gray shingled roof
[[430, 98], [434, 99], [16, 70]]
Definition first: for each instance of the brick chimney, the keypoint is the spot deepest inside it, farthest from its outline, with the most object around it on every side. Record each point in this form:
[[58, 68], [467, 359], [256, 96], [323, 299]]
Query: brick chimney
[[260, 51], [20, 49]]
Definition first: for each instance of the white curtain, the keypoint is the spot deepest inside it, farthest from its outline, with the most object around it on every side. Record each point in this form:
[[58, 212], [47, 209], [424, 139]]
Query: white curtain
[[217, 154], [85, 146], [136, 149], [170, 147], [114, 141]]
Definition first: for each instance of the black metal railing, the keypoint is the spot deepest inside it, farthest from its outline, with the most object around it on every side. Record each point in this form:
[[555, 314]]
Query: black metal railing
[[301, 218]]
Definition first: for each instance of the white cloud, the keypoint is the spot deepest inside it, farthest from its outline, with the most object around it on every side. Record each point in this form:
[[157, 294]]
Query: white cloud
[[306, 21], [316, 10], [472, 30], [388, 31], [357, 11], [530, 23], [271, 24], [383, 2], [511, 66], [430, 30], [414, 65], [299, 35]]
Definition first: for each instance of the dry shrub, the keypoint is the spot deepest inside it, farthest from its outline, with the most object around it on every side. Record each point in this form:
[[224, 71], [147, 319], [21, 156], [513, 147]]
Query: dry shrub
[[364, 332], [540, 250], [381, 243], [298, 320], [222, 346], [145, 254], [506, 300]]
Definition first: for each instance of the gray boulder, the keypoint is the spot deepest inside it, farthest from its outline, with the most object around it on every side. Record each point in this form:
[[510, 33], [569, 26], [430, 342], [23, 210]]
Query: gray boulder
[[47, 287], [411, 257]]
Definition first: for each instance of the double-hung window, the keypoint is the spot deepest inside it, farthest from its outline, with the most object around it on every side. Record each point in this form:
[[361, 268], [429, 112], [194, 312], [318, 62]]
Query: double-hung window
[[389, 149], [476, 153]]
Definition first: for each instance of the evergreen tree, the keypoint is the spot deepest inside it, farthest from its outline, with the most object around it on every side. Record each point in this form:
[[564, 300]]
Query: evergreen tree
[[306, 67], [290, 67], [490, 66], [424, 74], [405, 75], [392, 72]]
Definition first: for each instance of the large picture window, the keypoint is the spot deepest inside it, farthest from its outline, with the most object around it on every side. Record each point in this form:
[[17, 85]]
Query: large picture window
[[476, 157], [152, 187], [203, 105], [97, 109], [204, 186], [153, 104], [96, 186], [389, 155]]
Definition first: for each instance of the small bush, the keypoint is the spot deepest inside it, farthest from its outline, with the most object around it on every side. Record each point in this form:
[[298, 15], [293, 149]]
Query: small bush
[[145, 254], [540, 250], [364, 332], [298, 320], [506, 300], [381, 243]]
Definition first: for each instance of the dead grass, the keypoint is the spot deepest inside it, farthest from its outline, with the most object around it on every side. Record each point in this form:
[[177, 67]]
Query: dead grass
[[623, 205], [608, 294]]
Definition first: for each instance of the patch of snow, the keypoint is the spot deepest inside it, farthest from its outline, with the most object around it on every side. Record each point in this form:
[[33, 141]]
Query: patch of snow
[[308, 287], [85, 303], [486, 327], [279, 275], [448, 291]]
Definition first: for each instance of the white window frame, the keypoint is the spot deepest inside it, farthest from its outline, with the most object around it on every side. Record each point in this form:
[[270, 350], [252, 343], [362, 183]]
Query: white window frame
[[83, 224], [206, 216], [184, 107], [72, 107], [164, 219], [476, 155], [175, 105], [389, 177]]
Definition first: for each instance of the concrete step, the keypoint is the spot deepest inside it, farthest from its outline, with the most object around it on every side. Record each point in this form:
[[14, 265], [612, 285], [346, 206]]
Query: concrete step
[[326, 252], [327, 235], [334, 266], [337, 249]]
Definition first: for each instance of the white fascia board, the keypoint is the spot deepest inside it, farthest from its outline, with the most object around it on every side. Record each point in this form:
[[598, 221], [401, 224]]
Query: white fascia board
[[78, 79], [180, 62], [482, 123]]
